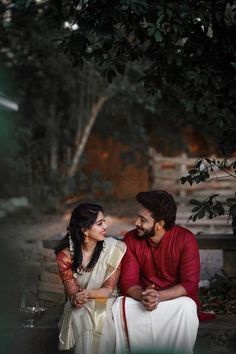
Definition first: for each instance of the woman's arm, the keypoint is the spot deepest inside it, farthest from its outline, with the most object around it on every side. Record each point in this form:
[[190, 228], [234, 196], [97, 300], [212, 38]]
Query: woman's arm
[[72, 288], [107, 287]]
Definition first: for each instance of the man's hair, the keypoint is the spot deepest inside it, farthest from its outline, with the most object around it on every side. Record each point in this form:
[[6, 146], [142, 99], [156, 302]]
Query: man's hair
[[161, 205]]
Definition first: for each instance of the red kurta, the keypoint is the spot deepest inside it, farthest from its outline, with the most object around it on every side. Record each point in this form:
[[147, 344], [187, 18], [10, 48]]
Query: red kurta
[[175, 260]]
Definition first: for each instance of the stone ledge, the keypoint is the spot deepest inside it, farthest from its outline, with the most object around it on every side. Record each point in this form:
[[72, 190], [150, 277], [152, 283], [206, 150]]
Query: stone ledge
[[205, 241], [214, 337]]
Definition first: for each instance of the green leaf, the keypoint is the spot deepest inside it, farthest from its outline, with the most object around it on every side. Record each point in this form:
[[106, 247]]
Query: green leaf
[[201, 213], [195, 209], [195, 202], [151, 30], [158, 21], [158, 36], [232, 210], [193, 171], [198, 163]]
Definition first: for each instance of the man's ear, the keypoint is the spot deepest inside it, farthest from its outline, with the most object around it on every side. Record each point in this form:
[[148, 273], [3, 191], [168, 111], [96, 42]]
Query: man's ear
[[160, 225]]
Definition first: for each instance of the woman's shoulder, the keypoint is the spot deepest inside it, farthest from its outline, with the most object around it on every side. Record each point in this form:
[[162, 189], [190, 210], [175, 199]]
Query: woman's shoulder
[[64, 256]]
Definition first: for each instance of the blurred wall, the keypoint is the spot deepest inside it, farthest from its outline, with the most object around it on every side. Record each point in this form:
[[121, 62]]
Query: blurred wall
[[104, 154]]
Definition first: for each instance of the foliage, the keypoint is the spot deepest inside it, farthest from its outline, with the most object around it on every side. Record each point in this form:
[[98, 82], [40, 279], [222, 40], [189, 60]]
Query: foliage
[[206, 170], [220, 296], [47, 89], [158, 54], [187, 50]]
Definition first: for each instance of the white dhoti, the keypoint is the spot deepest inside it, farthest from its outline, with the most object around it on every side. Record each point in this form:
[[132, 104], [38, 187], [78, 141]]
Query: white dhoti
[[172, 326]]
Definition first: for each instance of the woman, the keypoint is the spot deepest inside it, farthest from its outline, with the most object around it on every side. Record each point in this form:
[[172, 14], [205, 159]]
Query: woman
[[89, 266]]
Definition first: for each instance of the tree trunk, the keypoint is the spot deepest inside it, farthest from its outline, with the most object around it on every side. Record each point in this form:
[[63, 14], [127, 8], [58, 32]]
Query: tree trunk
[[80, 148], [53, 156]]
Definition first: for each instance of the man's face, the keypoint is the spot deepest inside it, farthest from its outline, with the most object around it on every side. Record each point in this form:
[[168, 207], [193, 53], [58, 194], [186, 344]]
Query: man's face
[[145, 224]]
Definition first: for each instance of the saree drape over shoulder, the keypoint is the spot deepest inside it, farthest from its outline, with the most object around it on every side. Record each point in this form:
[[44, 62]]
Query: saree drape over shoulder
[[90, 329]]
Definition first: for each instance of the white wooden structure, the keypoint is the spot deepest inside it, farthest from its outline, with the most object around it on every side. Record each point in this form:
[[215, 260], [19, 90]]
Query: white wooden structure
[[167, 171]]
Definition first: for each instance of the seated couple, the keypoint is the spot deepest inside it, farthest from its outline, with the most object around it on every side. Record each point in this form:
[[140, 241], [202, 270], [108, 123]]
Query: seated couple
[[156, 269]]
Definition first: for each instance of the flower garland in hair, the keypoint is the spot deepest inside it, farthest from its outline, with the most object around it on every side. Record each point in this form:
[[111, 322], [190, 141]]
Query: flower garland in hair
[[71, 245], [71, 249]]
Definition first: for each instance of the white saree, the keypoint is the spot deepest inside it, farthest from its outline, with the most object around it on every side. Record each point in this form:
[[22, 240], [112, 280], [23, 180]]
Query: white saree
[[171, 327], [90, 329]]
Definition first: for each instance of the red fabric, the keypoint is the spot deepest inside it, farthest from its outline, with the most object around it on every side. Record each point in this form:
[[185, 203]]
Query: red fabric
[[174, 261], [64, 263]]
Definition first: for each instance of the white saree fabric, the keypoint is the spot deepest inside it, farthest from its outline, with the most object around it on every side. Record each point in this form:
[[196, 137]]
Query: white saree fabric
[[172, 326], [88, 329]]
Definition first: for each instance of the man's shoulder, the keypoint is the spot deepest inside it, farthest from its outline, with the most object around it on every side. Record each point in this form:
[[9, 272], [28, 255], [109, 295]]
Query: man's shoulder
[[182, 230], [132, 239], [183, 233], [131, 235]]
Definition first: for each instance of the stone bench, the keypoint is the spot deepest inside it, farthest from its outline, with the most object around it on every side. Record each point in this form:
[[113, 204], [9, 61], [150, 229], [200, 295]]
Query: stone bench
[[214, 337]]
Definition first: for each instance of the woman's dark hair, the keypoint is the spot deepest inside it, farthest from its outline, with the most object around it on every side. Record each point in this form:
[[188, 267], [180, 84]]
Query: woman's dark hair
[[82, 217], [161, 205]]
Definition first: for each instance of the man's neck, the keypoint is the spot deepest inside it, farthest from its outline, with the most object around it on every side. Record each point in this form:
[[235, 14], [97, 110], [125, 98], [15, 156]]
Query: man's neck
[[158, 236]]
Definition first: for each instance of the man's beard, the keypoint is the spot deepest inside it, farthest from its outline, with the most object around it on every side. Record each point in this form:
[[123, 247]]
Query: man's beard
[[147, 233]]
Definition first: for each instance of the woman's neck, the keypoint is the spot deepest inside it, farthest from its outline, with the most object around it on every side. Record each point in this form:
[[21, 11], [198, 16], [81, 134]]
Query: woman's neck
[[89, 246]]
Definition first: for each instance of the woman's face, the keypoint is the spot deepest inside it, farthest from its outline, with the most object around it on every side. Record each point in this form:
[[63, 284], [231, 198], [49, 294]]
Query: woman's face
[[97, 231]]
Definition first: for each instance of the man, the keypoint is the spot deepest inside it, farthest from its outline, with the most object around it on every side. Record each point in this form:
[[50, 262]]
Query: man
[[159, 277]]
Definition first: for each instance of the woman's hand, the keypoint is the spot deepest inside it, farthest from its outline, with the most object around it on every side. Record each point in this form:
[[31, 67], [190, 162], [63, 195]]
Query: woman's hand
[[81, 298]]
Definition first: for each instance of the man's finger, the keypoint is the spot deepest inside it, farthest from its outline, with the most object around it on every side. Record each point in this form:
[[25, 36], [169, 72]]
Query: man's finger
[[150, 291], [150, 308], [150, 299], [150, 304], [150, 296]]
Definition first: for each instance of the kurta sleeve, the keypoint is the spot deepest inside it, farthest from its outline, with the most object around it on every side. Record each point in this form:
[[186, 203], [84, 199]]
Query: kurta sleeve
[[130, 269], [190, 265], [64, 263]]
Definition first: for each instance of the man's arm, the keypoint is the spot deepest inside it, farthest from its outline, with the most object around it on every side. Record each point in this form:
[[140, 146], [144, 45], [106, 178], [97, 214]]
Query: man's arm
[[189, 272], [130, 271], [129, 281], [189, 268], [188, 284], [135, 292], [172, 293]]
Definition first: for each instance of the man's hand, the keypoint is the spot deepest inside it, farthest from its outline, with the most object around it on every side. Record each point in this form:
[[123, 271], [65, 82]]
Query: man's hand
[[150, 298]]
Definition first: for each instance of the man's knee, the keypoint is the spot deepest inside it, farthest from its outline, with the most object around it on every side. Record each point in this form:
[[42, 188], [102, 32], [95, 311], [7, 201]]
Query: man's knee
[[188, 305]]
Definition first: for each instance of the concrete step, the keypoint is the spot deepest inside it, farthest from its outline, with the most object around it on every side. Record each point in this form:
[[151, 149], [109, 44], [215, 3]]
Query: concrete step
[[214, 337]]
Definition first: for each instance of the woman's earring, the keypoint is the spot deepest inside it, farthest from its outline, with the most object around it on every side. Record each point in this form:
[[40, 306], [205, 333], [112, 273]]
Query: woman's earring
[[85, 237]]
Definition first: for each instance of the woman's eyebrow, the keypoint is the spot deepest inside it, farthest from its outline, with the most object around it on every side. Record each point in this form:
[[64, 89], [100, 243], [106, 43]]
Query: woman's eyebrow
[[100, 221]]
